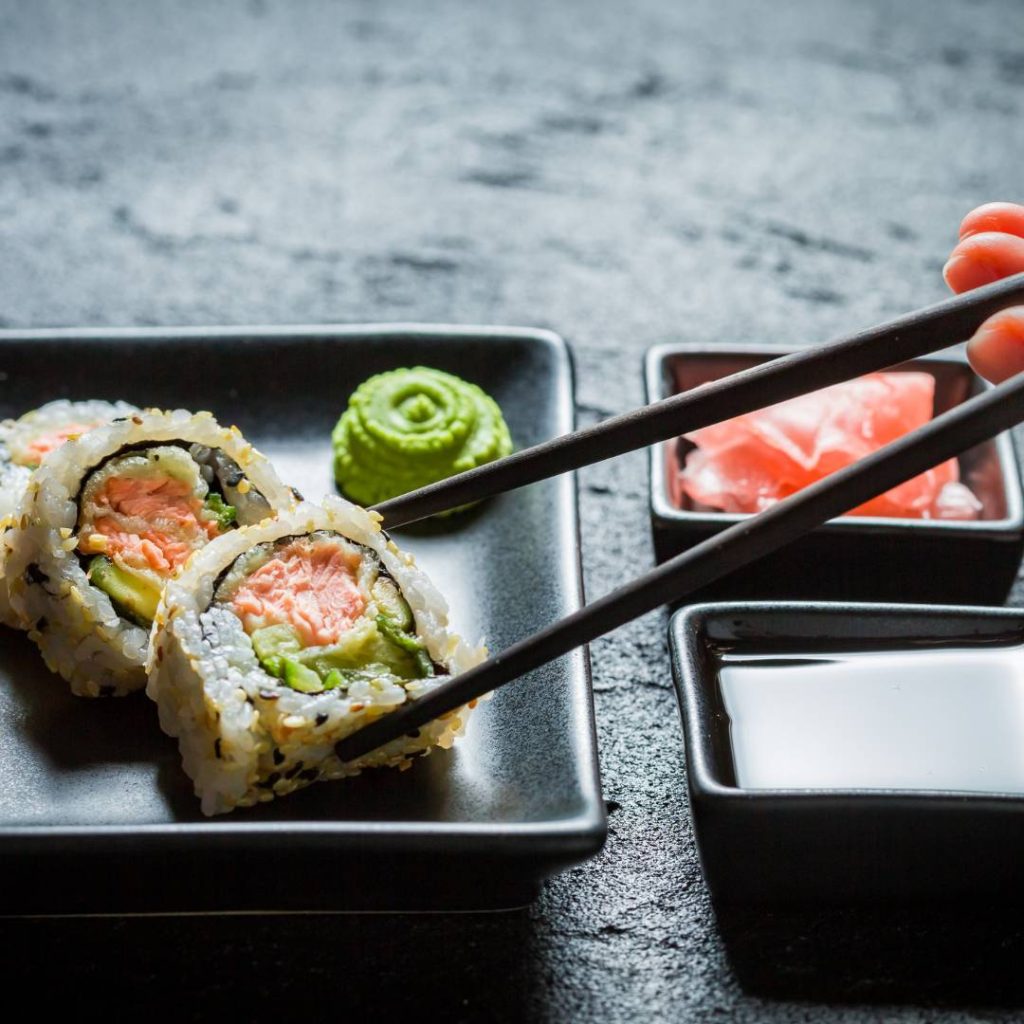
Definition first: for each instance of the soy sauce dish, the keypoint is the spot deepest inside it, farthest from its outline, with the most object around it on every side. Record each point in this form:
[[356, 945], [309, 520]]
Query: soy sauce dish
[[850, 754], [863, 557]]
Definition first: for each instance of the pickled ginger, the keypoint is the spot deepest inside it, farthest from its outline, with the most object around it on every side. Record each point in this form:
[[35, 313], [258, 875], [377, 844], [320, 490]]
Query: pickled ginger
[[751, 462]]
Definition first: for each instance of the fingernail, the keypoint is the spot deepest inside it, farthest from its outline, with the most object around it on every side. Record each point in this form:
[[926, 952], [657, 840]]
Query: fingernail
[[950, 264]]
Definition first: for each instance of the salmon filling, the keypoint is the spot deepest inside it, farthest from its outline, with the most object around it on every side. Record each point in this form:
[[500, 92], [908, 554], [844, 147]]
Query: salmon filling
[[141, 516], [322, 613], [151, 523], [41, 446], [310, 587]]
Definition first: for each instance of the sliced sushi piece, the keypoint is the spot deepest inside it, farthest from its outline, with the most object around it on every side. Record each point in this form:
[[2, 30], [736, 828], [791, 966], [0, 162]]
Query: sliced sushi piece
[[281, 639], [109, 518], [25, 442], [749, 463]]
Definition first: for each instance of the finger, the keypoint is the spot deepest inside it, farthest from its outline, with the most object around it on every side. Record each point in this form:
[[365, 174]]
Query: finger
[[997, 349], [982, 259], [1007, 218]]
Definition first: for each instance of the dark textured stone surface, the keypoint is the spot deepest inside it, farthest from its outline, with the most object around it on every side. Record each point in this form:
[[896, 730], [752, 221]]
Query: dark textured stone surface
[[624, 174]]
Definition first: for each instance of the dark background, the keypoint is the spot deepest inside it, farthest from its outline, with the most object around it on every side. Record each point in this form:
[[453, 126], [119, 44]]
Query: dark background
[[625, 174]]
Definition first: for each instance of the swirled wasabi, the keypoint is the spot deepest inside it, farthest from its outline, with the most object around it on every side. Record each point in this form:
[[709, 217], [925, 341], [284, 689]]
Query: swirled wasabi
[[411, 427]]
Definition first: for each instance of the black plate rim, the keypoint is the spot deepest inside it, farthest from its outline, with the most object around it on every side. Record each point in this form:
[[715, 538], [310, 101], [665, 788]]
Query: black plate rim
[[350, 331]]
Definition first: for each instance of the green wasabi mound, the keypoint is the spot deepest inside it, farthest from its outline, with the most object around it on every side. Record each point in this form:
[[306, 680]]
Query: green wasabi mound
[[411, 427]]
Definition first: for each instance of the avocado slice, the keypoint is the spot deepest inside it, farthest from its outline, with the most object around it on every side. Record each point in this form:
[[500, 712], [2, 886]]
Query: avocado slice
[[134, 597], [362, 652], [370, 650], [272, 644]]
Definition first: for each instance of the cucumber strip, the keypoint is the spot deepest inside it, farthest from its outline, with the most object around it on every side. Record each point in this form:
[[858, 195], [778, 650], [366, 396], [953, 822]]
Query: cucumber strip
[[391, 603], [334, 679], [407, 643], [225, 515], [300, 678]]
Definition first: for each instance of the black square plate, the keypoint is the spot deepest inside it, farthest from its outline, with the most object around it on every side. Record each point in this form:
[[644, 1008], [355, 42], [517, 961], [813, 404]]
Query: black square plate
[[858, 558], [846, 845], [95, 811]]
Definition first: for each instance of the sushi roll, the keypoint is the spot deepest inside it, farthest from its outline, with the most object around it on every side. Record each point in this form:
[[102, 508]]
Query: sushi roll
[[26, 441], [108, 518], [281, 639]]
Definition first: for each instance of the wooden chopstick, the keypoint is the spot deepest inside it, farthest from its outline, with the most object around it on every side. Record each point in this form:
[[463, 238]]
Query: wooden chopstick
[[944, 437], [907, 337]]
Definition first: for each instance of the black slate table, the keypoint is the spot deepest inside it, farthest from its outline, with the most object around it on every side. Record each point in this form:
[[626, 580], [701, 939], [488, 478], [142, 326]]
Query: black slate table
[[625, 174]]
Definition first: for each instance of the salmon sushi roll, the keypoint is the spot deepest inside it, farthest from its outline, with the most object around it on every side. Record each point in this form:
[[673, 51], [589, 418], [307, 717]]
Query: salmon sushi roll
[[279, 640], [109, 518], [26, 441]]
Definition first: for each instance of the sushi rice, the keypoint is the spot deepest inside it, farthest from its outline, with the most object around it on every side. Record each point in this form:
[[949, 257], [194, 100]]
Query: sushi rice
[[25, 442], [245, 734], [82, 633]]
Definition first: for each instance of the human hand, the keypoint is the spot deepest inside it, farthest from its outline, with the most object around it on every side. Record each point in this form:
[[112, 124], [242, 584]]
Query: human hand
[[991, 247]]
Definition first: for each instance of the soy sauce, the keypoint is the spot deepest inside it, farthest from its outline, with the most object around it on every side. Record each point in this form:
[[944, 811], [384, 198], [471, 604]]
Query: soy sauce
[[923, 719]]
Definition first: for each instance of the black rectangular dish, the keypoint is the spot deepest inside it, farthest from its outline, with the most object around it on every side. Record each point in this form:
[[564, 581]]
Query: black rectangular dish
[[930, 840], [96, 814], [853, 557]]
